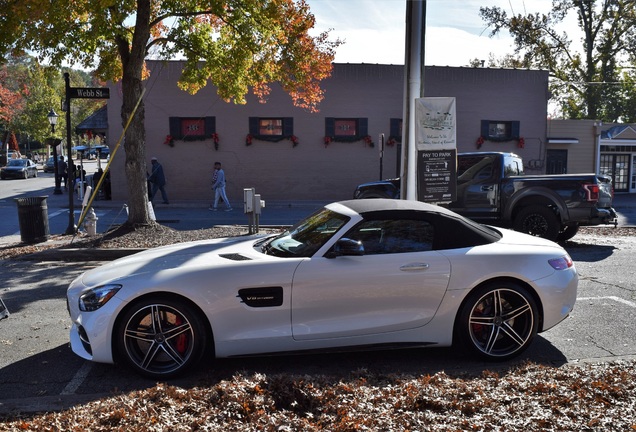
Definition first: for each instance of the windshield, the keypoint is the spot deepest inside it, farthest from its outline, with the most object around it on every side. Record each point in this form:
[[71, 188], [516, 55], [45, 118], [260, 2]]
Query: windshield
[[16, 162], [307, 236]]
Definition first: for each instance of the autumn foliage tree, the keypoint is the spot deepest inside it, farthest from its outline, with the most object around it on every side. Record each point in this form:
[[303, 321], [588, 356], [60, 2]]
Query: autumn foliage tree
[[592, 71], [237, 45], [10, 103]]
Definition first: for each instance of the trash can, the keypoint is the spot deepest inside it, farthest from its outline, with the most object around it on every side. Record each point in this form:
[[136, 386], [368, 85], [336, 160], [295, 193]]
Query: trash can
[[34, 219]]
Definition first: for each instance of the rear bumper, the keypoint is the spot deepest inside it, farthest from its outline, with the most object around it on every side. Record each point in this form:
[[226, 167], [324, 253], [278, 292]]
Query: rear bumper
[[602, 216]]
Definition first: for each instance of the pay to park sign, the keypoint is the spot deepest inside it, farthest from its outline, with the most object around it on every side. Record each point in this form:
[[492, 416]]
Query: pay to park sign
[[436, 133], [89, 93]]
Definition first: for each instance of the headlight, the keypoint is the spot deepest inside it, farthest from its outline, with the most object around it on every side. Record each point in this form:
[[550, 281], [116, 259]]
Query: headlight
[[97, 297]]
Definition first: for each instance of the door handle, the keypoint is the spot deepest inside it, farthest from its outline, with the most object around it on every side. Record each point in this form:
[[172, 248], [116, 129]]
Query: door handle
[[414, 267], [487, 188]]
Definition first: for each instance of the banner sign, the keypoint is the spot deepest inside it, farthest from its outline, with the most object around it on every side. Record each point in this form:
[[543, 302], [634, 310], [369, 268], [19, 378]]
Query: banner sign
[[436, 133]]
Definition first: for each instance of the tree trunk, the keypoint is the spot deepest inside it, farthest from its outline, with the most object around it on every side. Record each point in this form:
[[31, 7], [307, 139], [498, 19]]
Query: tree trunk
[[133, 57]]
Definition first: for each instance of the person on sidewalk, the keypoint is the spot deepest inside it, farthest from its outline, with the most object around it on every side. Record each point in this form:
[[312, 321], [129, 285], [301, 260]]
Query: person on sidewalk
[[62, 167], [218, 185], [158, 180]]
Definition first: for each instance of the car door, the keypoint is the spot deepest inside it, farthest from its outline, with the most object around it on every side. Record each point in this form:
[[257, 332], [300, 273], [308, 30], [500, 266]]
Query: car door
[[477, 187], [396, 285]]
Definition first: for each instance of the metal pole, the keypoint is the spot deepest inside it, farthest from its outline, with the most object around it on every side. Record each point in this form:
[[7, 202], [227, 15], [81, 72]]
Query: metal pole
[[71, 229], [381, 153], [58, 189], [413, 88]]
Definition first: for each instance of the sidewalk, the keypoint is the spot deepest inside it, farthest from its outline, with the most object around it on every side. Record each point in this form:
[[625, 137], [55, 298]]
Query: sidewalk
[[191, 215], [179, 214]]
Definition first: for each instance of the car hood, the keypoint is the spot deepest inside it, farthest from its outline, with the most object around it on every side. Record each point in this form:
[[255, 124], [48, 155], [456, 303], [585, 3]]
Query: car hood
[[218, 252]]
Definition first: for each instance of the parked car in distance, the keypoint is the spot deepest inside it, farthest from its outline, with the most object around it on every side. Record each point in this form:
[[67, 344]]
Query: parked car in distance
[[19, 168], [49, 166], [355, 274]]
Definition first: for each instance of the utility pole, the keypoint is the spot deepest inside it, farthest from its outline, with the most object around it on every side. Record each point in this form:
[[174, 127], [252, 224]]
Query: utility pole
[[413, 89]]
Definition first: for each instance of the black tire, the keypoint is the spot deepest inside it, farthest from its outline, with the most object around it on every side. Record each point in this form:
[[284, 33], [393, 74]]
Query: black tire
[[568, 232], [498, 321], [160, 338], [539, 221]]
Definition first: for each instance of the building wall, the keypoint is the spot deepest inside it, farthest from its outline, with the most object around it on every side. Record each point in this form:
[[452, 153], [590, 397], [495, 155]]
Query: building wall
[[311, 170], [582, 155]]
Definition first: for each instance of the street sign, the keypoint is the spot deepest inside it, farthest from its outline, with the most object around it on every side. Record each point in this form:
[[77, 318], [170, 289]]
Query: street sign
[[89, 93]]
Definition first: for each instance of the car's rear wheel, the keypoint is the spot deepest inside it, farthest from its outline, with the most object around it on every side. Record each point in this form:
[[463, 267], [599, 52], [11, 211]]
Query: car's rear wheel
[[539, 221], [498, 321], [160, 338]]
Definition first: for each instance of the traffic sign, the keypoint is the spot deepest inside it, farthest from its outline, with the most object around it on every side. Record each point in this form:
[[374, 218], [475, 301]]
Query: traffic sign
[[89, 93]]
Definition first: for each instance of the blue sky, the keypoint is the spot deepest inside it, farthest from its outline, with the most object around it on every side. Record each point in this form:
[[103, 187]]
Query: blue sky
[[374, 30]]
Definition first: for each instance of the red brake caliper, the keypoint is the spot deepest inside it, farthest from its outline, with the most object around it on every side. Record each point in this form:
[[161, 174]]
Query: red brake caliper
[[181, 339]]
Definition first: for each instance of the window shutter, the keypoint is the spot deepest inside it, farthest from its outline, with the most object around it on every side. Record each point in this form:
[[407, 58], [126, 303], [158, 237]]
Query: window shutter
[[254, 125], [363, 127], [394, 129], [288, 126], [175, 127], [330, 126], [515, 129], [210, 126], [485, 132]]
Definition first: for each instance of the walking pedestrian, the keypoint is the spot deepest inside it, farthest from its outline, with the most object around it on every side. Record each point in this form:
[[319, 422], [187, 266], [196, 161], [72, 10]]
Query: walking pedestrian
[[158, 180], [61, 171], [218, 185]]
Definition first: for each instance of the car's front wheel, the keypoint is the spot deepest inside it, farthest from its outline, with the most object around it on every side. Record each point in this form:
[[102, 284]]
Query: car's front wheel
[[498, 321], [160, 338]]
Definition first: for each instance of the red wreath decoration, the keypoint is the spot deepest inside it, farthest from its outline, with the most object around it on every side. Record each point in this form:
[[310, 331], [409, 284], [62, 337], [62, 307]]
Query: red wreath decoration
[[480, 142], [215, 139], [169, 140], [294, 140], [328, 140], [391, 142], [368, 141], [521, 143], [248, 139]]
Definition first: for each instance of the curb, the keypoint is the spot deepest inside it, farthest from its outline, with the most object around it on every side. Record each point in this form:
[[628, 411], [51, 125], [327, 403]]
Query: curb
[[79, 254]]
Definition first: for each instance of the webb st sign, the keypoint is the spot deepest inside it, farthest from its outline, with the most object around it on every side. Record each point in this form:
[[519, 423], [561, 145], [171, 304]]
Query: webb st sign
[[89, 93]]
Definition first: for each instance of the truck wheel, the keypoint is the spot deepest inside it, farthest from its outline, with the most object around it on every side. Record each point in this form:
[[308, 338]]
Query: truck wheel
[[567, 233], [538, 221]]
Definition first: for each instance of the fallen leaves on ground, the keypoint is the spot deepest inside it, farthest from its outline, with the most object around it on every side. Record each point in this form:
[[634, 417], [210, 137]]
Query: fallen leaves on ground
[[592, 397]]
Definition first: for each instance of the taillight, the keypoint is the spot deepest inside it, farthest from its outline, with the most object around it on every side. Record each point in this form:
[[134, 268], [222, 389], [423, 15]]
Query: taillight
[[592, 192], [565, 262]]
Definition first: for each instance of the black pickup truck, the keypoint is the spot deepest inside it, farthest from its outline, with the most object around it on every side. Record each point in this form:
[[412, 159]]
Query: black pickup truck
[[492, 189]]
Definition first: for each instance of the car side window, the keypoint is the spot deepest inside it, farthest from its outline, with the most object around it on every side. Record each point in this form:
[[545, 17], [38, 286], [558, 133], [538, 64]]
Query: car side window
[[393, 236]]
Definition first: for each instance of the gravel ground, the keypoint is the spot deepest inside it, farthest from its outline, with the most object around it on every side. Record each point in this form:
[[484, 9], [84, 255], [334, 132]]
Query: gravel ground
[[586, 397]]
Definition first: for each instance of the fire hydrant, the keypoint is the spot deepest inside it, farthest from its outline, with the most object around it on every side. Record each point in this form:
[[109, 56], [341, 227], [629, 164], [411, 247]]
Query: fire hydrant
[[90, 223]]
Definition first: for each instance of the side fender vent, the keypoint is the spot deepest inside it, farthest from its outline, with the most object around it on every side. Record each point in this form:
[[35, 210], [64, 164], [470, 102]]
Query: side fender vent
[[235, 257], [262, 296]]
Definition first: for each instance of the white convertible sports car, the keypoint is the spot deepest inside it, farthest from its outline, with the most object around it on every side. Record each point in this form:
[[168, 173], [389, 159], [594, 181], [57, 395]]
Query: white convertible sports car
[[361, 273]]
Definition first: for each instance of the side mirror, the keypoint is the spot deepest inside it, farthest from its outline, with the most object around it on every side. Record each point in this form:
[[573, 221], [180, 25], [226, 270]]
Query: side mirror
[[346, 247]]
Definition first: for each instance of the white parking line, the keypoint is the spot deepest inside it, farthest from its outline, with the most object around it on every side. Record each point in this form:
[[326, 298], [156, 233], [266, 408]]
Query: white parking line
[[616, 299], [78, 379]]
